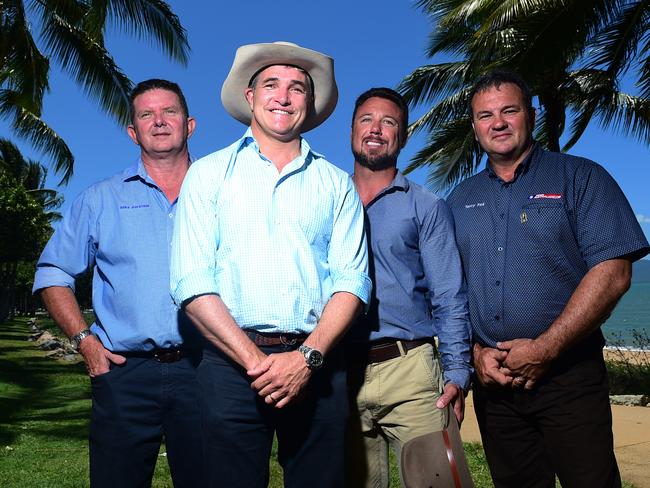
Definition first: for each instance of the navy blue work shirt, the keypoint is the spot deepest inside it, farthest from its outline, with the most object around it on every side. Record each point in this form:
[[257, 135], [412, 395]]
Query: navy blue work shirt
[[526, 244], [419, 290]]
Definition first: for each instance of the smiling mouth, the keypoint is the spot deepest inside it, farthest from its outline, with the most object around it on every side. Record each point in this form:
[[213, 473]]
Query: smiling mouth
[[280, 112], [373, 142]]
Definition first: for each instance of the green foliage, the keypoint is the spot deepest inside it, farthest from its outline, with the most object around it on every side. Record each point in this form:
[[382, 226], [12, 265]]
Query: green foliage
[[71, 33], [573, 55], [26, 210], [629, 372]]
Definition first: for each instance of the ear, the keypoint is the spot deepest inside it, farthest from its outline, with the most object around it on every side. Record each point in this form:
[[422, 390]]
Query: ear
[[191, 125], [248, 93], [130, 130], [474, 129]]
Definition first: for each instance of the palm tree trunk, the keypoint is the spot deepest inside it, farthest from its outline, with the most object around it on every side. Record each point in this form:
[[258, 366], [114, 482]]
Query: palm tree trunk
[[554, 115]]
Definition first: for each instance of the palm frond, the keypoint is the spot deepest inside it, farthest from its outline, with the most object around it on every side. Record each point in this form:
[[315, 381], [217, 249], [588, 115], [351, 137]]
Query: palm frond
[[151, 19], [451, 152], [30, 127], [90, 64]]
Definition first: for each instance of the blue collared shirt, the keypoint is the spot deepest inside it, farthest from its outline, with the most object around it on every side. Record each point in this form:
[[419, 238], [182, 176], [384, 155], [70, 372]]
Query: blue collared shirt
[[274, 246], [122, 226], [527, 244], [419, 289]]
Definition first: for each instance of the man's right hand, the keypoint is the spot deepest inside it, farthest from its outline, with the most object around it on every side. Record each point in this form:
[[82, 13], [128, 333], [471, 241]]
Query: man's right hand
[[488, 365], [98, 359]]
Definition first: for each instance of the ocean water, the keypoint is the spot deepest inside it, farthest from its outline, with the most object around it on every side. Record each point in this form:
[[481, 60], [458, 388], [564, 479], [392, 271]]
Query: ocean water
[[631, 313]]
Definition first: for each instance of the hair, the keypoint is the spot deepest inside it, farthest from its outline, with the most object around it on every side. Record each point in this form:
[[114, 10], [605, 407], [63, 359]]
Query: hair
[[495, 79], [391, 95], [309, 86], [153, 84]]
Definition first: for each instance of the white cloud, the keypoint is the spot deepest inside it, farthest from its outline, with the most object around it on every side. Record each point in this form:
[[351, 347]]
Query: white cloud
[[643, 219]]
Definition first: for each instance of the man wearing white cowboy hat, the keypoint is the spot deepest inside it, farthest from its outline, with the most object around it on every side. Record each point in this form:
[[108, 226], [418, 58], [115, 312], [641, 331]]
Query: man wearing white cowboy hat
[[270, 262]]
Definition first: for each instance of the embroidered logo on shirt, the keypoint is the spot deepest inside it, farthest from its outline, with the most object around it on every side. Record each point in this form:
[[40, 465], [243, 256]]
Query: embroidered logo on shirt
[[472, 205], [552, 196], [129, 207], [523, 217]]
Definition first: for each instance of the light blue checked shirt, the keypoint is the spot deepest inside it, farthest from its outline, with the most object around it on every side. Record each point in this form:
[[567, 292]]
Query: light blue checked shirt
[[274, 246]]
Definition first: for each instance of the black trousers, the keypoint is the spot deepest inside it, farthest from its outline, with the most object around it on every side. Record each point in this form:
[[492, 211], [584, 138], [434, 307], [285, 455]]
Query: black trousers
[[238, 427], [134, 407], [562, 427]]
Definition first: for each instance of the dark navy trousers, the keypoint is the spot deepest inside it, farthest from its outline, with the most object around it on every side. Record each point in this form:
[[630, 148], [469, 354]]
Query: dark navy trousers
[[562, 427], [134, 407], [238, 426]]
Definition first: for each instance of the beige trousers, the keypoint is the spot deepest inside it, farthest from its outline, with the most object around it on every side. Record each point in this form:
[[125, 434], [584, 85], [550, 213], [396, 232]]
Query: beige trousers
[[392, 402]]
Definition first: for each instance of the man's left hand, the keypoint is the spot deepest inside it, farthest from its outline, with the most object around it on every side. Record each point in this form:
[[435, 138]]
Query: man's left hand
[[452, 393], [527, 359], [280, 378]]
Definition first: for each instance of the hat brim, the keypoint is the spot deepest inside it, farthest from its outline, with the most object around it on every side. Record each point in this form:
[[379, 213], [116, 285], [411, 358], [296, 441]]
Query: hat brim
[[251, 58]]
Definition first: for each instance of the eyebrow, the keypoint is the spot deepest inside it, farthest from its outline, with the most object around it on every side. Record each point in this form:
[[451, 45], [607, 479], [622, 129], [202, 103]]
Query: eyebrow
[[292, 82], [363, 114]]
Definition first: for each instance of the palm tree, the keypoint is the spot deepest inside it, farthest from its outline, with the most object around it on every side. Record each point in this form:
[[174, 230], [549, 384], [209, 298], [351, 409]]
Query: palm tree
[[26, 210], [573, 54], [71, 32]]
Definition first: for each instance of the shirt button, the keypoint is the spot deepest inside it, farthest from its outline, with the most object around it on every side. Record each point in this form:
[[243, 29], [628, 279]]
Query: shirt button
[[496, 317], [497, 283], [499, 249], [171, 216], [502, 215]]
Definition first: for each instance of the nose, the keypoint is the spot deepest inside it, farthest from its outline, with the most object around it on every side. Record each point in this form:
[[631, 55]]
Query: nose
[[282, 96], [375, 127], [499, 123], [159, 119]]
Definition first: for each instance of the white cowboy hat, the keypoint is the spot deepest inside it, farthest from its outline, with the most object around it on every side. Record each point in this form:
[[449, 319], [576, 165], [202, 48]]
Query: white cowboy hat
[[252, 58]]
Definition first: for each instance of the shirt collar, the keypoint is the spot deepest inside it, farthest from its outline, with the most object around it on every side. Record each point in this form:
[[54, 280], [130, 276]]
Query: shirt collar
[[306, 152], [137, 171], [523, 166], [399, 183]]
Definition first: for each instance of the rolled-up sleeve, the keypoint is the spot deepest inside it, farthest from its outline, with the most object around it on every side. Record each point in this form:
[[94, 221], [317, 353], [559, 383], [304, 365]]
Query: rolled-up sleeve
[[348, 252], [448, 294], [195, 238], [71, 249]]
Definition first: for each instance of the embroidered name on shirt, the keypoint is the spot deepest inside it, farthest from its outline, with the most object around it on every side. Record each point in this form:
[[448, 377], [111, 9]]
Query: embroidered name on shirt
[[552, 196], [472, 205], [129, 207]]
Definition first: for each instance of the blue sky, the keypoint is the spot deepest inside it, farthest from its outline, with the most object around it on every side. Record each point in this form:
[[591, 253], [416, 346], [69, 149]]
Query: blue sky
[[373, 44]]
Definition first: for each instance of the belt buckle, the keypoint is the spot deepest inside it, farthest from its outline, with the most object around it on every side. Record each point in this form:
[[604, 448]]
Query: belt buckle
[[167, 356], [288, 342]]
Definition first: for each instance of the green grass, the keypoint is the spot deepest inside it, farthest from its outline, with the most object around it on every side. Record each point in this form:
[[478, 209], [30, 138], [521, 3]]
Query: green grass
[[44, 413]]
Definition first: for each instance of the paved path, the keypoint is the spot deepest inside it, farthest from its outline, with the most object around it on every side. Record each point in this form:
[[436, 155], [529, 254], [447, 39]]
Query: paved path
[[631, 440]]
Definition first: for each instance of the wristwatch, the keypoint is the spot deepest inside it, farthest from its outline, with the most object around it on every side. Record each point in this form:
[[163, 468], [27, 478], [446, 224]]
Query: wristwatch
[[313, 357], [76, 339]]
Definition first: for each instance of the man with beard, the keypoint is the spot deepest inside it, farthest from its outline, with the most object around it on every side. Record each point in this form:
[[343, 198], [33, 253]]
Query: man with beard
[[398, 391]]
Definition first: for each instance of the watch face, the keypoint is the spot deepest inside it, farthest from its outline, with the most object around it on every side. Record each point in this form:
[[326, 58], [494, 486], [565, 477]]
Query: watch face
[[315, 359]]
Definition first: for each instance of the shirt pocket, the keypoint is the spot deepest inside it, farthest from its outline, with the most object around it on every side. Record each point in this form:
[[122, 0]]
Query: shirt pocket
[[546, 221]]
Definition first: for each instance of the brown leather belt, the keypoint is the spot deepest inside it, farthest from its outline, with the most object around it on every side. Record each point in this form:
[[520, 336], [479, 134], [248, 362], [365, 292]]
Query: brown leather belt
[[390, 350], [275, 339]]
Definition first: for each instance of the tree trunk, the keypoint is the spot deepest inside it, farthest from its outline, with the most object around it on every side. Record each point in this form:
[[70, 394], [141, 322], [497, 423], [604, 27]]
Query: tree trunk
[[554, 114], [7, 288]]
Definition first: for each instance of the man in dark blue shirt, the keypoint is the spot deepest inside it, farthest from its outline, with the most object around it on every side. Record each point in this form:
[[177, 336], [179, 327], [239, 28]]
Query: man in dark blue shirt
[[418, 292], [547, 241]]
